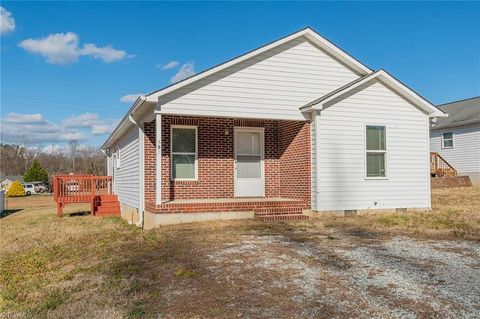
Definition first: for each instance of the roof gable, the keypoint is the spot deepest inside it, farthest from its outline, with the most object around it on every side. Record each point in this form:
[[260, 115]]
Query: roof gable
[[308, 33], [384, 77], [150, 99]]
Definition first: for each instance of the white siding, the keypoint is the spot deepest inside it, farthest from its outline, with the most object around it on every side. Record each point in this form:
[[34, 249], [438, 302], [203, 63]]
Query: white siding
[[341, 153], [465, 154], [126, 178], [272, 85]]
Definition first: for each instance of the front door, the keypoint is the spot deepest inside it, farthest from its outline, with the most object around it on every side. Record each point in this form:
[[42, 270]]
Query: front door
[[249, 170]]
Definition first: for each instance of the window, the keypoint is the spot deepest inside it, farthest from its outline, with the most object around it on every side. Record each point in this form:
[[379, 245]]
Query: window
[[376, 151], [447, 140], [184, 152]]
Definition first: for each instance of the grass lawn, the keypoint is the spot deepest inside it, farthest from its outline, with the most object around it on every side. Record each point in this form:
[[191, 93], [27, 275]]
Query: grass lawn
[[87, 267]]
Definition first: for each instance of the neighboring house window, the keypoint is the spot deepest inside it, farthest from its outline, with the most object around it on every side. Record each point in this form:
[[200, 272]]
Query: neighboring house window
[[184, 152], [447, 140], [376, 151]]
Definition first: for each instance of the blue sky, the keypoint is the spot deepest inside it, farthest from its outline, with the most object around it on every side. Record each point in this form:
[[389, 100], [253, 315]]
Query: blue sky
[[66, 65]]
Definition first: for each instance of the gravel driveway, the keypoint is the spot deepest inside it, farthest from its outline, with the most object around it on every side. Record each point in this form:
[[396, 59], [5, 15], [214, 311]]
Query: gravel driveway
[[349, 277]]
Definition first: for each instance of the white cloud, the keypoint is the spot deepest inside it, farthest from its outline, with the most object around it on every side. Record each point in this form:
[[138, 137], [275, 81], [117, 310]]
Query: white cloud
[[168, 66], [7, 22], [106, 54], [185, 71], [63, 48], [36, 129], [24, 118], [91, 121], [130, 98], [59, 48]]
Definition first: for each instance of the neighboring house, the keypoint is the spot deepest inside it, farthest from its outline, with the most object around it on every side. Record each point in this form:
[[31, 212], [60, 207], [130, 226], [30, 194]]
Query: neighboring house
[[6, 181], [457, 137], [296, 124]]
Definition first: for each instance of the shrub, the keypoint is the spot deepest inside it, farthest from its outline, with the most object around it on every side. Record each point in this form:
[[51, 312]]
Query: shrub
[[15, 190]]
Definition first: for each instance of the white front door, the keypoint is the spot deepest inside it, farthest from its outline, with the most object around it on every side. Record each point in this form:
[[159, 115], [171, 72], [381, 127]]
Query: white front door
[[249, 171]]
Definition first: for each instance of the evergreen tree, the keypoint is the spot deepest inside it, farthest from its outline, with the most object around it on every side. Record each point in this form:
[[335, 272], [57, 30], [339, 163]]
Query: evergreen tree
[[36, 173]]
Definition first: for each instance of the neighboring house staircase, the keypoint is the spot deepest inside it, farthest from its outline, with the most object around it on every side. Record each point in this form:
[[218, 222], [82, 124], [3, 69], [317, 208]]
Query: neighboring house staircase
[[439, 167], [444, 175]]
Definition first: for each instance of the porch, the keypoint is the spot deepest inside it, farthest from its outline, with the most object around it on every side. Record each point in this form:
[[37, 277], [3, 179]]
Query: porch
[[215, 165]]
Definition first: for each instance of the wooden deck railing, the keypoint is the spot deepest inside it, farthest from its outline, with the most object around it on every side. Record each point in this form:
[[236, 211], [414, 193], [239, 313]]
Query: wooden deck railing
[[440, 167], [79, 189]]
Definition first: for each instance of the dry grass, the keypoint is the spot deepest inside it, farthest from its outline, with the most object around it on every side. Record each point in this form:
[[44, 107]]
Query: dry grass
[[90, 267], [455, 214]]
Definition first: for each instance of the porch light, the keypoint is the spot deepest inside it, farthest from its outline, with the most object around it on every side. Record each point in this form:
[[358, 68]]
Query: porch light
[[227, 132]]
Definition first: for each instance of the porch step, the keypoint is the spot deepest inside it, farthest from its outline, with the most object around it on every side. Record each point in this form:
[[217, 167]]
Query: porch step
[[271, 218], [278, 211]]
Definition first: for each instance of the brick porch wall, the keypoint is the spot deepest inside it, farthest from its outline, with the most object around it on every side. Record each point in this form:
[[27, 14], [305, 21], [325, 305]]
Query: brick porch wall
[[294, 154], [216, 164]]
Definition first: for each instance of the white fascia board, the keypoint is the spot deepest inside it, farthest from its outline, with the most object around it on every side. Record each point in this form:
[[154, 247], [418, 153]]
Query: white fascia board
[[338, 53], [391, 82], [308, 33]]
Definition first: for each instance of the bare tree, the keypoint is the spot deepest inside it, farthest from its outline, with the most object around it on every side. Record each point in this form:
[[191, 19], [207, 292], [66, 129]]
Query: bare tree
[[73, 145]]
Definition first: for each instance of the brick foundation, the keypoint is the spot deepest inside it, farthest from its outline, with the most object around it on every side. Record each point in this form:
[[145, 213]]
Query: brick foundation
[[287, 159]]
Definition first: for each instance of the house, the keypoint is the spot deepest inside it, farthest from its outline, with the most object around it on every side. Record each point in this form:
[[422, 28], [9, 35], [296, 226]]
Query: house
[[295, 125], [457, 137], [6, 181]]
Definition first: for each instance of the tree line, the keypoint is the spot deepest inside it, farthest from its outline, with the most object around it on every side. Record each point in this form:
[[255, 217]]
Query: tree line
[[16, 160]]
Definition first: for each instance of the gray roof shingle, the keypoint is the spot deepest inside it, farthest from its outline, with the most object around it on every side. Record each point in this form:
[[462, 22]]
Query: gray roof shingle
[[460, 113]]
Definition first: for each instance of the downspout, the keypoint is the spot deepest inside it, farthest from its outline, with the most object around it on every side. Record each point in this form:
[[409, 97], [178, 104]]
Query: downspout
[[141, 207]]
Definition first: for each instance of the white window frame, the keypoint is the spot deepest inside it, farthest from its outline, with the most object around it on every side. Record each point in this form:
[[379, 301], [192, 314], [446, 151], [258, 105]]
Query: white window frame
[[172, 127], [443, 140], [375, 151]]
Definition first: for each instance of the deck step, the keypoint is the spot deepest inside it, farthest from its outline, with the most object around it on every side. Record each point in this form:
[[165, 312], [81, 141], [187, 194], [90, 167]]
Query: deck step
[[271, 218], [111, 197], [107, 205]]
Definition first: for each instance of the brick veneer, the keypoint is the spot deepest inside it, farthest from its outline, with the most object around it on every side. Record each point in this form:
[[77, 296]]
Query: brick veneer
[[294, 154], [287, 159]]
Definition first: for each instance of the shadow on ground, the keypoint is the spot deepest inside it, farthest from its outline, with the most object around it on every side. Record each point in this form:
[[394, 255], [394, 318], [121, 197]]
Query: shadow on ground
[[8, 212]]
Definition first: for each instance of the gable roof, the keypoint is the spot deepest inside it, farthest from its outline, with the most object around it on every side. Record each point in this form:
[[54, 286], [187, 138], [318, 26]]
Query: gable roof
[[387, 79], [460, 113], [308, 33], [12, 178]]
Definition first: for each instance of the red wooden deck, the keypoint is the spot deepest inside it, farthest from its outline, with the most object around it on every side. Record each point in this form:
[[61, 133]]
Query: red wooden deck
[[96, 190]]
